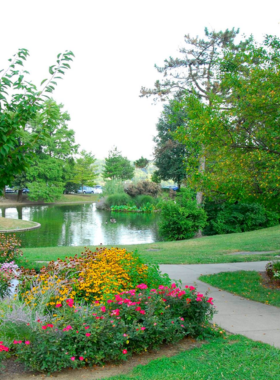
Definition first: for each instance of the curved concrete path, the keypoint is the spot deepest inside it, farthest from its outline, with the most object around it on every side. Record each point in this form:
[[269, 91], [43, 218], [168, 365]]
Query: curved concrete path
[[236, 314]]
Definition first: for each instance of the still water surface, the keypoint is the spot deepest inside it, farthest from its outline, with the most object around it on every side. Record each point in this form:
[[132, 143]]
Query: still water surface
[[83, 225]]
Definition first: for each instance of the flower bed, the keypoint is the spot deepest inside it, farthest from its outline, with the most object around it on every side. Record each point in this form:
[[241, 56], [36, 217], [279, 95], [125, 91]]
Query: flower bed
[[100, 307], [135, 320]]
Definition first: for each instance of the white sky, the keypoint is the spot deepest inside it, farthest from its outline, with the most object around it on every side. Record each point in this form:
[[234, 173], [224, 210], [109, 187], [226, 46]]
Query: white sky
[[116, 44]]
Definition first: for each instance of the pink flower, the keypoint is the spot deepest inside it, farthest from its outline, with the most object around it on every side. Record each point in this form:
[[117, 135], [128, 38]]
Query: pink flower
[[172, 322], [103, 309], [88, 334], [192, 288], [210, 300], [44, 327], [161, 287], [19, 341], [86, 327], [138, 308], [109, 301], [155, 324], [182, 326], [142, 312], [180, 294], [142, 286], [49, 325], [27, 342], [186, 286], [58, 305], [73, 358], [143, 328], [124, 352], [182, 319], [198, 299], [173, 286], [124, 334], [116, 312], [81, 358], [153, 290], [15, 342]]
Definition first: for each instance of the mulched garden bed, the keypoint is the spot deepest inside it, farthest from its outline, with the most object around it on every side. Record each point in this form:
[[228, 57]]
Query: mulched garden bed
[[268, 282]]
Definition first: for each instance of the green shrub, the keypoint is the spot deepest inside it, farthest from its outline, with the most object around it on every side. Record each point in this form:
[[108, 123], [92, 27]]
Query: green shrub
[[181, 219], [9, 248], [118, 200], [143, 188], [227, 218], [141, 200], [114, 186]]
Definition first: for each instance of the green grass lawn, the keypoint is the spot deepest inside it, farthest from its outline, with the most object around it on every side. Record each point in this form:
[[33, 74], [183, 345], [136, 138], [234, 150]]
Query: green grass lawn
[[79, 198], [245, 284], [7, 224], [209, 249], [234, 357]]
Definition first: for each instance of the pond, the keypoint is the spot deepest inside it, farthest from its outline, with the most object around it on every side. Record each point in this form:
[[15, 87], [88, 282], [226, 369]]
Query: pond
[[83, 225]]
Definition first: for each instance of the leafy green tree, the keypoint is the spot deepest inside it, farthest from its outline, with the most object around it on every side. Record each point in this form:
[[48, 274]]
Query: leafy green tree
[[141, 163], [170, 155], [84, 170], [52, 154], [20, 102], [195, 73], [117, 166], [239, 130]]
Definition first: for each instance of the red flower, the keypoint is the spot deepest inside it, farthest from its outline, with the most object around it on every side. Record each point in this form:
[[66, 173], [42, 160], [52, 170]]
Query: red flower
[[124, 352]]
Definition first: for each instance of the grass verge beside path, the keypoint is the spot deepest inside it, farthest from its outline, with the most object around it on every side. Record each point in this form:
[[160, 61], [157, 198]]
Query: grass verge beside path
[[245, 284], [14, 224], [206, 250], [234, 357]]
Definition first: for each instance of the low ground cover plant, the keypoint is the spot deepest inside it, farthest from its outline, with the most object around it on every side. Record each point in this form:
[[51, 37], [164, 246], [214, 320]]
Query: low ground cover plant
[[76, 334], [147, 207]]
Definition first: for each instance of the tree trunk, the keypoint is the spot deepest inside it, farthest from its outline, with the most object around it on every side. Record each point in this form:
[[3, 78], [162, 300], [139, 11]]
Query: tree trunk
[[19, 196], [4, 193], [19, 211], [199, 194]]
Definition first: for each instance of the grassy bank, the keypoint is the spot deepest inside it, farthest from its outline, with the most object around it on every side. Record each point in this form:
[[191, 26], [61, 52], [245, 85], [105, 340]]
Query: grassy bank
[[11, 199], [14, 224], [211, 249], [234, 357], [245, 284]]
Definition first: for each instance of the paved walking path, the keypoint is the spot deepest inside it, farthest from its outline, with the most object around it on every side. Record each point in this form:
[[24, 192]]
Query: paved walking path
[[236, 314]]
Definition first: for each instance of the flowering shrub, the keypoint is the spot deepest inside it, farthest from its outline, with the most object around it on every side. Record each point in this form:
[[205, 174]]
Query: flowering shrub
[[7, 273], [94, 276], [9, 248], [131, 321]]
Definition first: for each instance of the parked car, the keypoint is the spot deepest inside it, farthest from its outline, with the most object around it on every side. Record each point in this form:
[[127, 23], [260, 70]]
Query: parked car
[[97, 189], [172, 187], [10, 189], [86, 190], [25, 191]]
